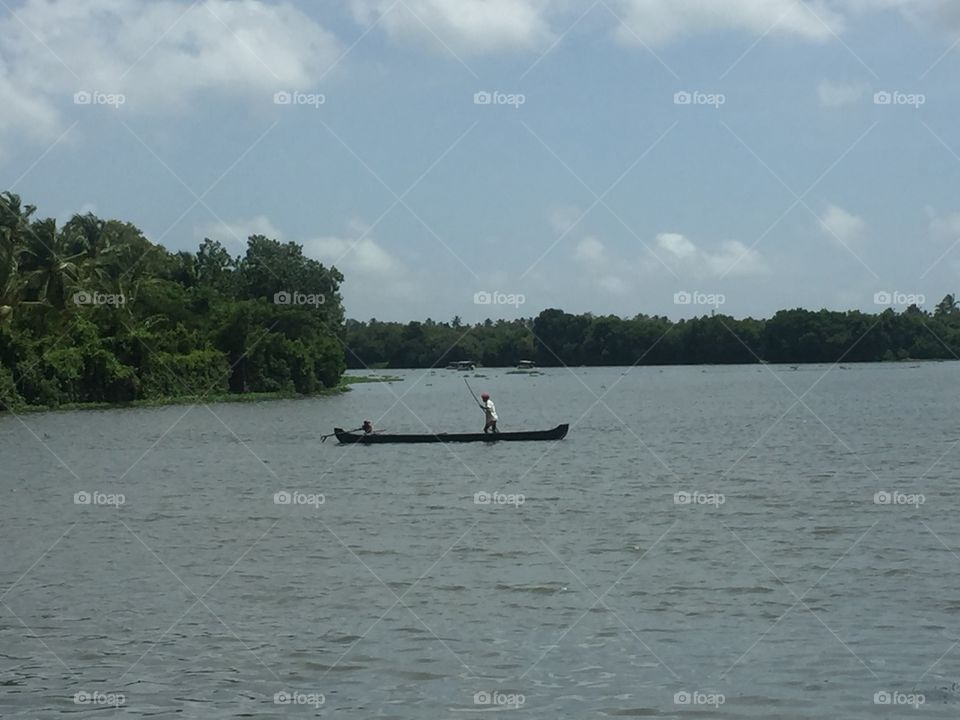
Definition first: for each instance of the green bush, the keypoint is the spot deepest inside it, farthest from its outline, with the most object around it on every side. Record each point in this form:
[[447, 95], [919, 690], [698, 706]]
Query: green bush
[[201, 372], [10, 398]]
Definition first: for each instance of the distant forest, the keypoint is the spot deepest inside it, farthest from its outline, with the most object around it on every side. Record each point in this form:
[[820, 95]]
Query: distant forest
[[92, 312], [555, 338]]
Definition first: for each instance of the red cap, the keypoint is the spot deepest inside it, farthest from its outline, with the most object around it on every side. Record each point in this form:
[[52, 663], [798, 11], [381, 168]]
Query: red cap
[[485, 396]]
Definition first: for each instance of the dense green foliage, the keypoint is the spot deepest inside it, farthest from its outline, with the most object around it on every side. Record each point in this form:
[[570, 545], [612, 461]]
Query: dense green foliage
[[94, 312], [558, 338]]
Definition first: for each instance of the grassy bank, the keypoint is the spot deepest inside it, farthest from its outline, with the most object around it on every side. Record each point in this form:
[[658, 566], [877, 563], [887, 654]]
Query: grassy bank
[[345, 382]]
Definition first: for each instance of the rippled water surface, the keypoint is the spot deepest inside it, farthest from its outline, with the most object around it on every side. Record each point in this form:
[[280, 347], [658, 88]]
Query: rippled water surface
[[802, 594]]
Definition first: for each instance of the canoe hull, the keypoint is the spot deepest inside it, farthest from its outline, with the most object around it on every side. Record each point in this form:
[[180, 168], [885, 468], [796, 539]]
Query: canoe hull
[[557, 433]]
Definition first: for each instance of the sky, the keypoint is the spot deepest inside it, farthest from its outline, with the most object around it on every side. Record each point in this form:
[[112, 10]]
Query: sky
[[492, 158]]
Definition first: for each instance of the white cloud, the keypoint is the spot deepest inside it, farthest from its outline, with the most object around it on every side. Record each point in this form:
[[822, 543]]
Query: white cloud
[[614, 284], [657, 22], [677, 245], [944, 227], [162, 55], [465, 26], [376, 283], [936, 15], [364, 257], [591, 250], [731, 258], [562, 218], [833, 94], [233, 235], [842, 225]]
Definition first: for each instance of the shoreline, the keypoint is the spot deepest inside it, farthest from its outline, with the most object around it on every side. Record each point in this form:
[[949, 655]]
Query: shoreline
[[344, 386]]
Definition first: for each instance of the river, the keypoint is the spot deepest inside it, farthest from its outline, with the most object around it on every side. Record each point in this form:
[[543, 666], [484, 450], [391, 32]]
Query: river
[[731, 542]]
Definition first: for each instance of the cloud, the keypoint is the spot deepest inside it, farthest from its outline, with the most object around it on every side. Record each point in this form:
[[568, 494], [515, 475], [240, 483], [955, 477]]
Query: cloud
[[944, 227], [838, 94], [591, 250], [941, 15], [464, 26], [614, 284], [657, 22], [233, 235], [677, 245], [376, 283], [842, 225], [732, 257], [164, 55], [562, 218], [364, 257]]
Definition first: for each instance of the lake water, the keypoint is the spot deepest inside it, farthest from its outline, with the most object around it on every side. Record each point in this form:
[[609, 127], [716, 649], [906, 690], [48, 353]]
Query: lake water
[[777, 584]]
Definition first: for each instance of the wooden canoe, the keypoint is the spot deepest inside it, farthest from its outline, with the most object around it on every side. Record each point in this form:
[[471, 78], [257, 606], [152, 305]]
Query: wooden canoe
[[557, 433]]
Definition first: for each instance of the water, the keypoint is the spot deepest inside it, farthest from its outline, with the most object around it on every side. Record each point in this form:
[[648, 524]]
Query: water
[[797, 596]]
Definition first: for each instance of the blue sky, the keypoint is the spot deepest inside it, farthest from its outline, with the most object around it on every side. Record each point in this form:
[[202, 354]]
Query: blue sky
[[591, 185]]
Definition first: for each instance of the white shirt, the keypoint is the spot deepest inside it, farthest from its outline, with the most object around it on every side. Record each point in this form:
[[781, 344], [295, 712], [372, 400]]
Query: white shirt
[[490, 410]]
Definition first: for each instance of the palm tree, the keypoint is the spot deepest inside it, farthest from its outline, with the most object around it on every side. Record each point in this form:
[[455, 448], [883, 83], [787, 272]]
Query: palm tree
[[50, 266], [947, 306], [14, 221]]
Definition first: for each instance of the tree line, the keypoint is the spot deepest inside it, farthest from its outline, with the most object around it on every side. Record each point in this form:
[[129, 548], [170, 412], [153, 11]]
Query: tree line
[[93, 312], [556, 337]]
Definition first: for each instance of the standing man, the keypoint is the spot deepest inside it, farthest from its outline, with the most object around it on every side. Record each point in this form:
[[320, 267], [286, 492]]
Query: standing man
[[490, 411]]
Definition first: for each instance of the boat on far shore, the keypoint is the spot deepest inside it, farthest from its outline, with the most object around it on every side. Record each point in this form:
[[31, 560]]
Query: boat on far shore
[[462, 365]]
